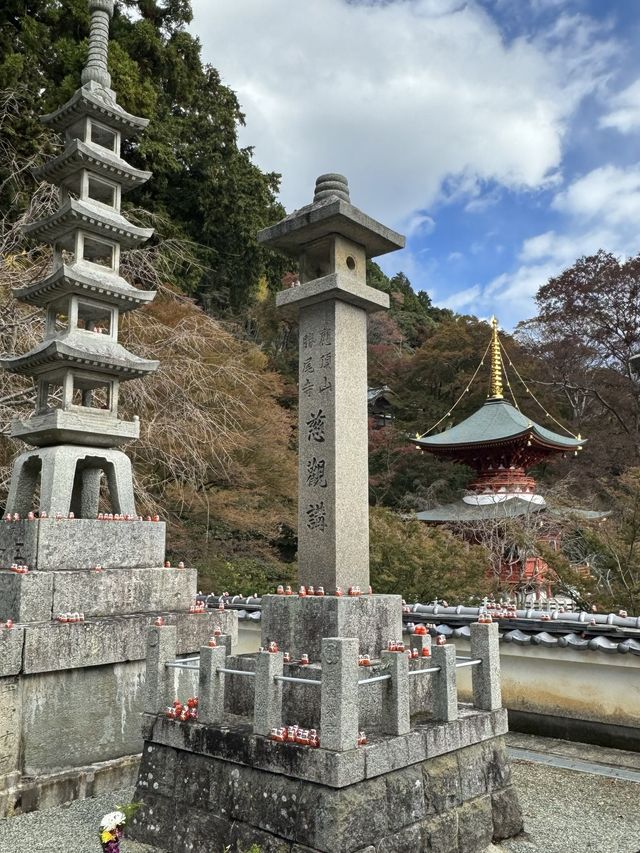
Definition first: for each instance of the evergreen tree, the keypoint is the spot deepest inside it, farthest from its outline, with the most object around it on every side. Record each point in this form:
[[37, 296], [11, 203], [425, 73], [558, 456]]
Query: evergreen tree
[[205, 187]]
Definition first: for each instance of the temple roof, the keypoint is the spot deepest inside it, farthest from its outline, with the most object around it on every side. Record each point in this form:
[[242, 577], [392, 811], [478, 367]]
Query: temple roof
[[497, 421], [88, 349], [82, 155], [512, 507], [95, 217], [461, 511], [90, 280], [100, 104]]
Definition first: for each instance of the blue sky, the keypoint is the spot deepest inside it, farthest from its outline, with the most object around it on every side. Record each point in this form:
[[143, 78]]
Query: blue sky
[[501, 136]]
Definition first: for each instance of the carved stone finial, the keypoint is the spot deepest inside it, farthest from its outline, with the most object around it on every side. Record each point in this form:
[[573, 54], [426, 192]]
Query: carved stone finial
[[95, 69], [331, 184]]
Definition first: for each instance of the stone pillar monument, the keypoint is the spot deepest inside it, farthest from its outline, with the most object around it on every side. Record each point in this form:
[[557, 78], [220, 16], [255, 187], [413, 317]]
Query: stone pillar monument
[[331, 240], [78, 593], [282, 761]]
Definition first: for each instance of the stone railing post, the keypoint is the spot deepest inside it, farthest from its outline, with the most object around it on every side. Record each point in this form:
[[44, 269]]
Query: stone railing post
[[445, 693], [211, 685], [160, 682], [395, 694], [267, 708], [485, 678], [339, 701]]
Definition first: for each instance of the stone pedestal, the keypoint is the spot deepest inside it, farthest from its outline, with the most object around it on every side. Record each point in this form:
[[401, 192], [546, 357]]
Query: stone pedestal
[[71, 693], [298, 624]]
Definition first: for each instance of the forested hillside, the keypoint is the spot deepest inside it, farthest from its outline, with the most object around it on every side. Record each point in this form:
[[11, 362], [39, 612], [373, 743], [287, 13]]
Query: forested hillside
[[217, 451]]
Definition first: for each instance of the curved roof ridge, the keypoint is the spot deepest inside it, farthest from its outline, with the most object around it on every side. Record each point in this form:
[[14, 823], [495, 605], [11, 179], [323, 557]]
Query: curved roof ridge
[[496, 420]]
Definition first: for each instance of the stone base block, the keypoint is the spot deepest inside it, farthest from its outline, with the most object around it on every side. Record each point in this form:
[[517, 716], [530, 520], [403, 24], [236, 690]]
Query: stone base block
[[117, 591], [58, 646], [25, 598], [454, 803], [39, 596], [299, 624], [11, 646], [235, 742], [80, 543]]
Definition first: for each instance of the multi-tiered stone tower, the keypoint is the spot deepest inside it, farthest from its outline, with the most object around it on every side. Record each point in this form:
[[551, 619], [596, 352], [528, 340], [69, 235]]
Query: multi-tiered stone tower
[[80, 364], [71, 688]]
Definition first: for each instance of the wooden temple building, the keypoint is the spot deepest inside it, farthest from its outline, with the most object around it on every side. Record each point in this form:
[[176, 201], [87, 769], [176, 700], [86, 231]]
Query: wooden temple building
[[500, 444]]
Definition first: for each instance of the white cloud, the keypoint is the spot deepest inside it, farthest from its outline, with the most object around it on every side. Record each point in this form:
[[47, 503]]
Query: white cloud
[[401, 97], [609, 193], [461, 300], [601, 211], [625, 115], [420, 223]]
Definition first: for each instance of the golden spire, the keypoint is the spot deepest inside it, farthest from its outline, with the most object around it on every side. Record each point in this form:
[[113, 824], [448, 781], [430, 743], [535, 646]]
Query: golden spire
[[495, 385]]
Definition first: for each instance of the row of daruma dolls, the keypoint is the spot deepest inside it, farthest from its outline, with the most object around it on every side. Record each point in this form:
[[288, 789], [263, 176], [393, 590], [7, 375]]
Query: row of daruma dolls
[[353, 591], [102, 516], [304, 737], [363, 660]]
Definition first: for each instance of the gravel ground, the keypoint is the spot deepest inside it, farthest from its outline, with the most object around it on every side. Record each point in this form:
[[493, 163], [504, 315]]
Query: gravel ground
[[67, 829], [570, 812], [564, 812]]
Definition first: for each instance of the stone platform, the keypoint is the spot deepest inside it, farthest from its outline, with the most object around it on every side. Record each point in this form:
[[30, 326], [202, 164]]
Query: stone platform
[[443, 787]]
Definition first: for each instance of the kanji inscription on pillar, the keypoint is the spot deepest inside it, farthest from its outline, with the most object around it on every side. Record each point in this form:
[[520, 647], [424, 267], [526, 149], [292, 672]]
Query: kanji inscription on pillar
[[333, 507]]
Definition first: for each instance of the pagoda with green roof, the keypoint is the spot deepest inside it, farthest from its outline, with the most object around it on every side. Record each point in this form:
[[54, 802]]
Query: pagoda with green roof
[[500, 444]]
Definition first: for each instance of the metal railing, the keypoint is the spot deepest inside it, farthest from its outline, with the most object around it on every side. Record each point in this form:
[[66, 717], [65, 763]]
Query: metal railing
[[178, 664], [337, 708], [246, 673], [374, 679], [291, 678]]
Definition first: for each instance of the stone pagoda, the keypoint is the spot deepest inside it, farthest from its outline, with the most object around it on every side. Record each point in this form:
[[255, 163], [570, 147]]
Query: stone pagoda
[[79, 365], [77, 593], [278, 755]]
